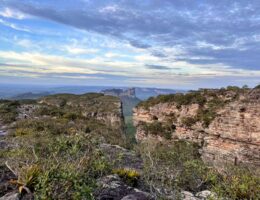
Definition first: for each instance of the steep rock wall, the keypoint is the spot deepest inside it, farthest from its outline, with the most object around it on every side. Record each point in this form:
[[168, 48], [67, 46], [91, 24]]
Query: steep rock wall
[[232, 135]]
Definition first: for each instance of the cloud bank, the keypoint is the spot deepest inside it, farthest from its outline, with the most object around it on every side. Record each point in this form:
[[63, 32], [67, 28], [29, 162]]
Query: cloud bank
[[185, 40]]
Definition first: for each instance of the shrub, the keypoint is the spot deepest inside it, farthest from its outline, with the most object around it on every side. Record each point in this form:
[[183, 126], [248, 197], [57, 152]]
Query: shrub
[[168, 166], [23, 131], [257, 87], [71, 116], [8, 111], [188, 121], [194, 176], [238, 183], [158, 128], [178, 99], [233, 88], [61, 182]]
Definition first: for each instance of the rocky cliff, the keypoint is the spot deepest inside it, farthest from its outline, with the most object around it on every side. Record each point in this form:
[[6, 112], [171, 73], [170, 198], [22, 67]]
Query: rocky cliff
[[120, 93], [225, 123], [91, 105]]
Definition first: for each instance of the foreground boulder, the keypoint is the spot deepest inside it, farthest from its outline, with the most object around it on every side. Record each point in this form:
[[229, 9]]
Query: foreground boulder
[[5, 176], [113, 187], [11, 196]]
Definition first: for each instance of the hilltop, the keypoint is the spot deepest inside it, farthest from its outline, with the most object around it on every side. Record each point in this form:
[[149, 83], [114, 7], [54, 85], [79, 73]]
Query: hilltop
[[198, 145]]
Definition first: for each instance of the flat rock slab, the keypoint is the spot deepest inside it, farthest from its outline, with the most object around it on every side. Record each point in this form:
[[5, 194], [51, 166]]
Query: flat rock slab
[[112, 187]]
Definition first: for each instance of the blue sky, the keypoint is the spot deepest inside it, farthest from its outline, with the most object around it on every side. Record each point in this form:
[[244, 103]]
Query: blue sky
[[149, 43]]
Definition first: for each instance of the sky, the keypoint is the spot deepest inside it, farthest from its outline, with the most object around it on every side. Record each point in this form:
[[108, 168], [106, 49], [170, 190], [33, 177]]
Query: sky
[[181, 44]]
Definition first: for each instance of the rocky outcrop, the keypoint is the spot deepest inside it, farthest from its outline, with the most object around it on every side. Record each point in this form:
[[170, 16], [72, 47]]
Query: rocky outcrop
[[5, 176], [11, 196], [122, 158], [112, 187], [120, 93], [226, 125], [91, 105]]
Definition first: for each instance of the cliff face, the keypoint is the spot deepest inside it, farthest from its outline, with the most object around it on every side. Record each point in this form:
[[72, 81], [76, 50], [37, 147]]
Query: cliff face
[[225, 124], [96, 106], [120, 93], [81, 110]]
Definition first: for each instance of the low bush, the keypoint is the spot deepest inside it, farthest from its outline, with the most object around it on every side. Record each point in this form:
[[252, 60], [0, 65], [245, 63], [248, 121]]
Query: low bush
[[158, 128], [176, 166], [257, 87], [238, 183], [188, 121], [172, 166], [178, 99]]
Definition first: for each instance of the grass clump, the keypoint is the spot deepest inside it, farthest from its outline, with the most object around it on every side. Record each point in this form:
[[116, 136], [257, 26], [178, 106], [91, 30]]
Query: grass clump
[[130, 176], [27, 178]]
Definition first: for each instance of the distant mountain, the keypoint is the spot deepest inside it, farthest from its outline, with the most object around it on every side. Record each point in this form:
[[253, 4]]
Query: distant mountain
[[145, 93], [8, 91], [120, 92], [127, 97]]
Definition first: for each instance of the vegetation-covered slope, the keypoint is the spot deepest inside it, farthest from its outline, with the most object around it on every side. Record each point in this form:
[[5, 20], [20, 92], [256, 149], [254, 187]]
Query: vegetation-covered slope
[[52, 144]]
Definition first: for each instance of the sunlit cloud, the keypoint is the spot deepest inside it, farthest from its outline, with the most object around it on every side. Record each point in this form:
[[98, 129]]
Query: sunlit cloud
[[10, 13], [164, 43]]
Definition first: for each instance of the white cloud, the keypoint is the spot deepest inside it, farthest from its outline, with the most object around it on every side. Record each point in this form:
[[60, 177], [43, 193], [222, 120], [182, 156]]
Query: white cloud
[[14, 26], [78, 50], [10, 13], [109, 9]]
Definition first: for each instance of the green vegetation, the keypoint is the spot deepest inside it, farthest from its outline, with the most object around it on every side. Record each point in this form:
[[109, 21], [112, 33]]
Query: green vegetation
[[178, 99], [57, 154], [209, 101], [95, 102], [238, 183], [173, 166], [177, 166], [158, 128], [188, 121], [130, 130], [128, 104], [257, 87], [67, 165], [8, 111], [130, 176]]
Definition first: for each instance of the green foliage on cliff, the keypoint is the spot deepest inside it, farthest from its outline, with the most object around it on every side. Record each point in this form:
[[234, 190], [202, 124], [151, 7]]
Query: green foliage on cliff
[[257, 87], [158, 128], [209, 101], [90, 102], [178, 99]]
